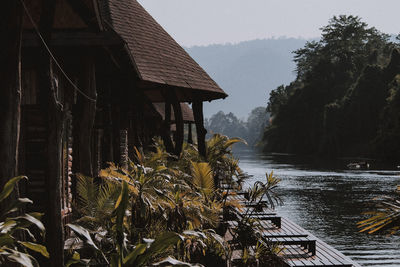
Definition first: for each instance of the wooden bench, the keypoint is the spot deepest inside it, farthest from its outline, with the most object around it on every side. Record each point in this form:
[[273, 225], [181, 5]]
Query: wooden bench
[[304, 241], [283, 239], [286, 234], [283, 229], [277, 220]]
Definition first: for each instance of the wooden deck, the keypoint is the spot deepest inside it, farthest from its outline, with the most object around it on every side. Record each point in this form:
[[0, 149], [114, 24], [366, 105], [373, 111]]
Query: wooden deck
[[298, 246]]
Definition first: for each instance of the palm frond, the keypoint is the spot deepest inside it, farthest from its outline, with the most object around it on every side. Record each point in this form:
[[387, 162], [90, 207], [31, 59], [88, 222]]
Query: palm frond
[[87, 193], [233, 141], [203, 177], [385, 218], [106, 199]]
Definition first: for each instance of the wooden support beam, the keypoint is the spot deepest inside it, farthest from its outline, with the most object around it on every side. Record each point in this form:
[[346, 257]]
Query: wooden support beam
[[201, 131], [54, 229], [84, 117], [134, 137], [10, 87], [124, 126], [108, 148], [166, 134], [141, 103], [116, 126], [140, 119], [179, 125], [124, 158], [54, 110], [190, 134], [132, 140], [97, 151]]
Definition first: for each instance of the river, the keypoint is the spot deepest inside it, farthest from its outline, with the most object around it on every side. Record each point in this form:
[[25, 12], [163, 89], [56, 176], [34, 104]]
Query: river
[[327, 199]]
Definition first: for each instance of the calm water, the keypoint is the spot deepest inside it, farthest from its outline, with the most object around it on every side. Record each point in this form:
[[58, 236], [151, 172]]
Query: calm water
[[327, 199]]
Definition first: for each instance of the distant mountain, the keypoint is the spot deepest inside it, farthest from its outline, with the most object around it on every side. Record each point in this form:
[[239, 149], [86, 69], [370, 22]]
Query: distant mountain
[[247, 71]]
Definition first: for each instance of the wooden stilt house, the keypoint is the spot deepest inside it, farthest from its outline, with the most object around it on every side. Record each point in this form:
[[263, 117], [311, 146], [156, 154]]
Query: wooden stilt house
[[165, 72], [91, 72]]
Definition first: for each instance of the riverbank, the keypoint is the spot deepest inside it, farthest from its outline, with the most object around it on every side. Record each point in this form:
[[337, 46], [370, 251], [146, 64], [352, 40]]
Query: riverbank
[[321, 163]]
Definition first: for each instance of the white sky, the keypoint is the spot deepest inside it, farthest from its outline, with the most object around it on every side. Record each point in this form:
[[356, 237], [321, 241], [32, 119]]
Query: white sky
[[202, 22]]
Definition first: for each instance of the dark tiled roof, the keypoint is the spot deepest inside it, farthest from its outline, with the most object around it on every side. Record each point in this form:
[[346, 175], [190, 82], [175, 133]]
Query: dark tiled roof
[[158, 57], [187, 112]]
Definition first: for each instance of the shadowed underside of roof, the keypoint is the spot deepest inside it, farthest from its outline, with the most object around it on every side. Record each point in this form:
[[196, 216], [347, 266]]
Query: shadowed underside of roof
[[158, 57], [187, 112]]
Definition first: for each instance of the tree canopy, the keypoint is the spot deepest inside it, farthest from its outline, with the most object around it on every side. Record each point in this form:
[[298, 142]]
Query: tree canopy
[[335, 105], [228, 124]]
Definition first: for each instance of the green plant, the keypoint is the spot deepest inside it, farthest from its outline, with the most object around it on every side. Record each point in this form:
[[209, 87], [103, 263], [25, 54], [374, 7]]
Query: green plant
[[219, 156], [162, 192], [128, 212], [11, 227], [123, 252], [263, 254], [95, 201], [205, 247]]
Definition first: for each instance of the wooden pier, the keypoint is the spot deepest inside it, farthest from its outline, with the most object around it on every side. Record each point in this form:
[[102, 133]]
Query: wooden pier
[[298, 246]]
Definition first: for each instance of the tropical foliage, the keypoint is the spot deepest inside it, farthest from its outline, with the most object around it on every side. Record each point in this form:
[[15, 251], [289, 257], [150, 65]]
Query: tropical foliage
[[110, 244], [225, 167], [14, 224], [161, 210]]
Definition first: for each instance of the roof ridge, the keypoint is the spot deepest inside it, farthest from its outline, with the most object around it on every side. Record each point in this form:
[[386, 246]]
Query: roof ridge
[[159, 58]]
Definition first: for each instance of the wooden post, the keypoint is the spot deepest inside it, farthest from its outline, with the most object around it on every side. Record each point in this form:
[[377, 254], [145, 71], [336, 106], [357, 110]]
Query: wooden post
[[166, 135], [54, 111], [85, 120], [10, 87], [190, 134], [55, 231], [97, 151], [123, 130], [132, 132], [179, 126], [108, 148], [201, 131], [116, 134], [124, 158], [138, 121]]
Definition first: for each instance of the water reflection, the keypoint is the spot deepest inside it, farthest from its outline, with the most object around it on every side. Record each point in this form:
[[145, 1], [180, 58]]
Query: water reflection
[[327, 199]]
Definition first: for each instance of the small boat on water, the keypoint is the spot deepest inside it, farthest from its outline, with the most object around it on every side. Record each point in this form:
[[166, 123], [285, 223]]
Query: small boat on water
[[358, 165]]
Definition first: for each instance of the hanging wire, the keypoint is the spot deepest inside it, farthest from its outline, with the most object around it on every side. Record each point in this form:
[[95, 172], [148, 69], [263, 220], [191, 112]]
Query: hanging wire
[[52, 56]]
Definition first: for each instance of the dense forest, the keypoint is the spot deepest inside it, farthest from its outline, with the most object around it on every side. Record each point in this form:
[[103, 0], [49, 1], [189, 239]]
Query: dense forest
[[228, 124], [345, 100]]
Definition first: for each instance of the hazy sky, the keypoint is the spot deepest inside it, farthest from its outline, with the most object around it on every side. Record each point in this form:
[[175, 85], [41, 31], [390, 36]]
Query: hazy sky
[[201, 22]]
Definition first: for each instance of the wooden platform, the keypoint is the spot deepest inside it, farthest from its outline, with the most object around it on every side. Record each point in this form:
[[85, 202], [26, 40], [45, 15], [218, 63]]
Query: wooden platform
[[299, 247]]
